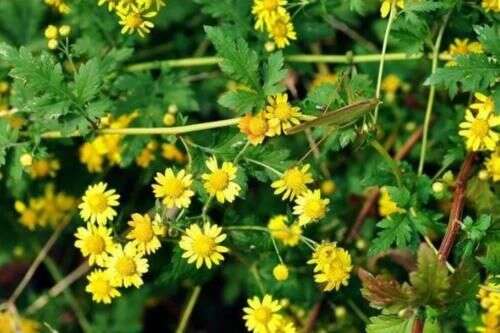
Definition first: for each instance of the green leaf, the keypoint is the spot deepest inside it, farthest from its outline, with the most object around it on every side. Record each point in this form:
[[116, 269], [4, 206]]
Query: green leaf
[[88, 81], [274, 74], [396, 229], [241, 101], [489, 36], [389, 324], [400, 196]]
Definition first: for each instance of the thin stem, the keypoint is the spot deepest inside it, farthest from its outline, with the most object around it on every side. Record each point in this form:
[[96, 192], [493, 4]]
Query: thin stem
[[240, 153], [205, 208], [190, 159], [358, 311], [255, 273], [193, 298], [432, 93], [280, 174], [276, 249], [383, 57]]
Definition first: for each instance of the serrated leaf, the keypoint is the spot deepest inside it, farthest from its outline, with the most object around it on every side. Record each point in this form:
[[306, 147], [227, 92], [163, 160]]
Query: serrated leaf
[[396, 229], [389, 324], [274, 74], [489, 36], [241, 101], [87, 81]]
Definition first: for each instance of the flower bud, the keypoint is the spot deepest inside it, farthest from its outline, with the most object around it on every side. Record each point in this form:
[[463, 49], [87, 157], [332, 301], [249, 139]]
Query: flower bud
[[280, 272], [168, 119], [26, 160]]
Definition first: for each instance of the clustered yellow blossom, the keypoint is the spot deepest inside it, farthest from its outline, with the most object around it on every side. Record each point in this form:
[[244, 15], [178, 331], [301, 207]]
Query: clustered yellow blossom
[[385, 8], [147, 155], [263, 316], [171, 153], [479, 125], [289, 235], [50, 209], [386, 206], [332, 266], [120, 265], [60, 5], [461, 47], [390, 85], [489, 296], [272, 16], [134, 15], [13, 323], [105, 148], [278, 116], [491, 5], [43, 168], [53, 34]]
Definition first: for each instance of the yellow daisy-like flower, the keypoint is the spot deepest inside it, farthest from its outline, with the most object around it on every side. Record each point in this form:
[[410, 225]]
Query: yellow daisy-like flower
[[491, 323], [483, 103], [293, 183], [136, 19], [44, 168], [462, 47], [17, 324], [29, 213], [98, 203], [110, 4], [493, 166], [147, 155], [332, 266], [100, 287], [262, 316], [220, 181], [202, 246], [491, 5], [144, 233], [254, 127], [126, 265], [386, 206], [310, 207], [385, 8], [281, 29], [478, 130], [280, 114], [90, 156], [94, 242], [265, 10], [286, 325], [151, 3], [289, 235], [174, 189]]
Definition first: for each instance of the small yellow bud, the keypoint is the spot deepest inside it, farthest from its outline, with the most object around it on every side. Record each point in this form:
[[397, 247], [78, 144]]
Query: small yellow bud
[[270, 46], [26, 160], [280, 272], [169, 119], [18, 251], [410, 126], [340, 312], [51, 32], [448, 177], [64, 9], [4, 87], [52, 44], [328, 187], [437, 187], [284, 302], [172, 108], [361, 244], [65, 30], [483, 175]]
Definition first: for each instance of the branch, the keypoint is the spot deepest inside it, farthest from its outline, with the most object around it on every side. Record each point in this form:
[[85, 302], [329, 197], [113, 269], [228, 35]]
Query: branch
[[312, 317], [418, 326], [457, 207]]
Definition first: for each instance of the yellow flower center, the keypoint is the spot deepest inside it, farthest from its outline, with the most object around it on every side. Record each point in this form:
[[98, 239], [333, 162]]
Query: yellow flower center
[[271, 4], [219, 180], [174, 188], [101, 286], [126, 266], [263, 314], [95, 244], [480, 128], [279, 29], [203, 245], [133, 20], [143, 232], [258, 126], [295, 180], [314, 209], [98, 202]]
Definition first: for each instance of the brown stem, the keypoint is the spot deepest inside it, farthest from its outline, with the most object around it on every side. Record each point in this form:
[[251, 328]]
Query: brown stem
[[418, 326], [457, 207], [312, 317], [372, 198]]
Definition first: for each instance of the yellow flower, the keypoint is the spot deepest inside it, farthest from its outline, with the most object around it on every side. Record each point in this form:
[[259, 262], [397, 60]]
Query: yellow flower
[[171, 153], [265, 10], [202, 246], [293, 183], [483, 103], [26, 160], [385, 8], [136, 19], [174, 189], [280, 272], [220, 181], [261, 316], [91, 157], [332, 266], [490, 297], [280, 114], [98, 203], [44, 168], [51, 32], [491, 5], [281, 29], [478, 130], [9, 324], [386, 206], [144, 233], [151, 3], [390, 85], [328, 187], [111, 4], [310, 207], [493, 166], [461, 47], [126, 265], [288, 235], [286, 325], [100, 287], [94, 242], [323, 78], [491, 323], [254, 127], [29, 214], [147, 155]]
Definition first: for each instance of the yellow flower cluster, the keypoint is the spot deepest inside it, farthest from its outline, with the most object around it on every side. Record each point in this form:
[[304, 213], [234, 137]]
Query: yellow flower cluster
[[493, 165], [60, 5], [289, 235], [332, 266], [278, 116], [461, 47], [490, 301], [272, 16], [478, 128], [491, 5], [263, 316], [385, 8], [119, 265], [43, 168], [134, 15], [50, 209], [10, 323], [386, 206], [107, 147], [53, 34], [169, 152]]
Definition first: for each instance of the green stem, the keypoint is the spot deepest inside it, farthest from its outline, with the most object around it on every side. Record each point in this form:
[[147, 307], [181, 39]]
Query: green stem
[[265, 166], [393, 164], [383, 57], [432, 93], [181, 328]]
